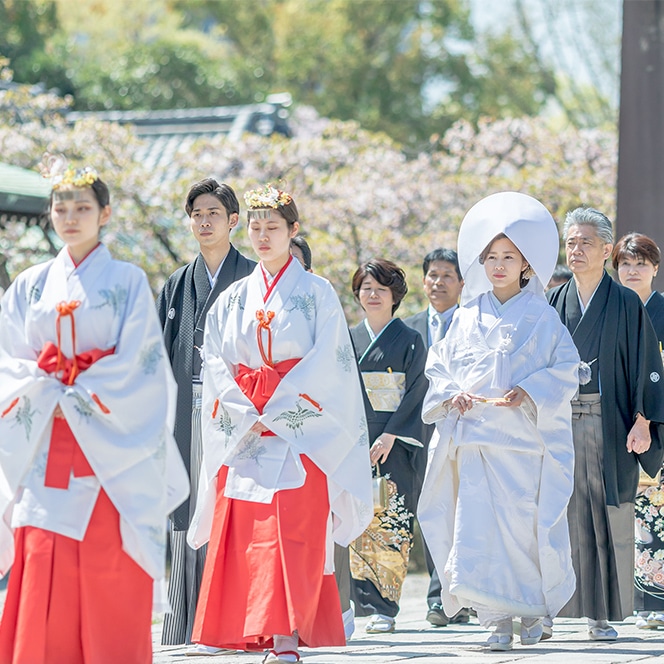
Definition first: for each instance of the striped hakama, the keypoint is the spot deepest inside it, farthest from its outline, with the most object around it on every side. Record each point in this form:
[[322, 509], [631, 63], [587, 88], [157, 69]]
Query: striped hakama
[[602, 536], [186, 563]]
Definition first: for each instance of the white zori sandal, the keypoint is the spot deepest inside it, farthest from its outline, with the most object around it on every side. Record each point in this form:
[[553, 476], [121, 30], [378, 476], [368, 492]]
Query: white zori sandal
[[532, 630], [285, 657], [502, 637]]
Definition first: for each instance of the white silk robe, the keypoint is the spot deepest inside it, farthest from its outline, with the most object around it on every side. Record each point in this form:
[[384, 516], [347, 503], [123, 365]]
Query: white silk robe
[[493, 508], [130, 448], [308, 324]]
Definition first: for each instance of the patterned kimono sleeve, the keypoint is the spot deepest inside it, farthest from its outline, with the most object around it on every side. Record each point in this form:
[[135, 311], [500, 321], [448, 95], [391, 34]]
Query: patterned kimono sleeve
[[27, 399], [227, 413], [28, 395], [442, 384], [132, 389], [321, 394], [557, 382]]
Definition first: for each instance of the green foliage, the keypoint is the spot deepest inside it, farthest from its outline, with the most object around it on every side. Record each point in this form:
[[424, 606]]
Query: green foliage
[[25, 27], [403, 67]]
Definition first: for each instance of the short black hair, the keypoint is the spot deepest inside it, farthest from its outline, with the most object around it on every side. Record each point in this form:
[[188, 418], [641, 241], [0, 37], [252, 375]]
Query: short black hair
[[447, 255], [385, 273], [222, 192], [299, 242]]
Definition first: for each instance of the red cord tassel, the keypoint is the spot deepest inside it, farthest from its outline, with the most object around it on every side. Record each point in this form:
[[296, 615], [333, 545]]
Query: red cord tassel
[[315, 404], [103, 408], [7, 410]]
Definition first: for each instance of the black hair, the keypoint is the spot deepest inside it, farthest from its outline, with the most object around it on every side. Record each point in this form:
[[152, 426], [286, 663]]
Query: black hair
[[99, 189], [299, 242], [386, 273], [447, 255], [222, 192]]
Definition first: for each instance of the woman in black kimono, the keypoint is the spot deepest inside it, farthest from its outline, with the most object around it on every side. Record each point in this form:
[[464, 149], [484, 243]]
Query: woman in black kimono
[[636, 258], [391, 357]]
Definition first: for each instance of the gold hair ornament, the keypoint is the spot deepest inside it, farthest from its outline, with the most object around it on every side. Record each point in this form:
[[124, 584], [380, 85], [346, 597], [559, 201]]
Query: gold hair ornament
[[61, 174], [266, 197], [528, 273]]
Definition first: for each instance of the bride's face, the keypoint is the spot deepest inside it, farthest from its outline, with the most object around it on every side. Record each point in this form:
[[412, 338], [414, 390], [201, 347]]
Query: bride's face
[[504, 264]]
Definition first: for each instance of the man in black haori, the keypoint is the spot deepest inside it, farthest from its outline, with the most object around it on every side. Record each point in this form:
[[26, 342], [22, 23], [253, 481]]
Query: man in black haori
[[442, 285], [616, 421], [183, 303]]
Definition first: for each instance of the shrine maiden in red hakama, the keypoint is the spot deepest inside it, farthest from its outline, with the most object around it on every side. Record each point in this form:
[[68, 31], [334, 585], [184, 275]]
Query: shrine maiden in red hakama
[[277, 351], [89, 469]]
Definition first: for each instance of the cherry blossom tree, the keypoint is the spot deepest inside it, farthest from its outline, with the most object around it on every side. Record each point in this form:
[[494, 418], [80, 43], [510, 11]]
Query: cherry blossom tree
[[359, 193]]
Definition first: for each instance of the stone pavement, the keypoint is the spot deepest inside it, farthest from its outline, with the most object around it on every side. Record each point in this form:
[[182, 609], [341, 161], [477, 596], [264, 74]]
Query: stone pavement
[[416, 640]]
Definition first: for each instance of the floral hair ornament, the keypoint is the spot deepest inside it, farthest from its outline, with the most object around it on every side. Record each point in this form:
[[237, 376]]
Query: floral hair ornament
[[61, 174], [260, 201]]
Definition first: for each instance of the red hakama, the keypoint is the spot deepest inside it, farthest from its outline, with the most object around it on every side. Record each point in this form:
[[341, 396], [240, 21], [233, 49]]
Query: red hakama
[[264, 572], [71, 602]]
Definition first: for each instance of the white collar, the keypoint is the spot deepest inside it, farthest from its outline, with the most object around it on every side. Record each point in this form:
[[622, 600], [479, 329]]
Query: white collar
[[590, 299], [213, 278]]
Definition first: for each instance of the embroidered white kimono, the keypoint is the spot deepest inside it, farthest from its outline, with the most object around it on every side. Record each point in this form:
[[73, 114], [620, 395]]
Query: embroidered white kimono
[[120, 410], [498, 480], [316, 409]]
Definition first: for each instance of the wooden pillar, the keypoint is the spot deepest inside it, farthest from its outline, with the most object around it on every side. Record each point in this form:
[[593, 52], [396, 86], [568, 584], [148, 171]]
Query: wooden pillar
[[641, 144]]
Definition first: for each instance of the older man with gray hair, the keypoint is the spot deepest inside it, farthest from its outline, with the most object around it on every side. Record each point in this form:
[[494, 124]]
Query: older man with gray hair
[[615, 421]]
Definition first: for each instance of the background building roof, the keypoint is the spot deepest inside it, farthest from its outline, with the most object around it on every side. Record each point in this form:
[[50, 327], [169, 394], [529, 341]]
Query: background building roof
[[23, 195], [169, 131]]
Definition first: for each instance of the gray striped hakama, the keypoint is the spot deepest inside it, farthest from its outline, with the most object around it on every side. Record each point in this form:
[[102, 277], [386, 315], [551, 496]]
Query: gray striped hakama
[[602, 536], [186, 563]]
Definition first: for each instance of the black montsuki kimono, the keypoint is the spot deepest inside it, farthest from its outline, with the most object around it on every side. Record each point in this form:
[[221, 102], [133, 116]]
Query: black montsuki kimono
[[630, 372], [649, 595], [655, 309], [400, 349], [183, 305]]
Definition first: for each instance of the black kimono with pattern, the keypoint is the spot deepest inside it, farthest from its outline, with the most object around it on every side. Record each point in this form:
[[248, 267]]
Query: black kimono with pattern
[[400, 349]]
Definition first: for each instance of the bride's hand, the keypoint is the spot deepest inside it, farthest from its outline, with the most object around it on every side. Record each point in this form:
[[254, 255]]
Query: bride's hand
[[515, 397], [463, 402]]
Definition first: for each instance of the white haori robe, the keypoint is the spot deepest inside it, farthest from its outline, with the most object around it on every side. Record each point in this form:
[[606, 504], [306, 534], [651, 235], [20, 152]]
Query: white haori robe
[[493, 508], [309, 324], [131, 448]]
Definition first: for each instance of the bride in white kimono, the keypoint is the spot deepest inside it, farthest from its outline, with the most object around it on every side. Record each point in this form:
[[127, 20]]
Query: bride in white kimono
[[89, 469], [500, 468]]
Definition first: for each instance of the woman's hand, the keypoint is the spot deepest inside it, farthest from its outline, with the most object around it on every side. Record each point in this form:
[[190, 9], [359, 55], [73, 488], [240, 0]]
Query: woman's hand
[[58, 412], [463, 401], [258, 428], [381, 448], [514, 397], [638, 438]]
